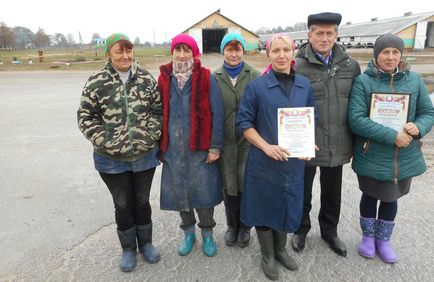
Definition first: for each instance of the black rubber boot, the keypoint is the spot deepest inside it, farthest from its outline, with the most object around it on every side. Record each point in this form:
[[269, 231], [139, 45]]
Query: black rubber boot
[[280, 252], [265, 238], [232, 219], [243, 236]]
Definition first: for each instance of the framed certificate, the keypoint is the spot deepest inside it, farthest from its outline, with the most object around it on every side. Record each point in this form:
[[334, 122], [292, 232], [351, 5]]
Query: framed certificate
[[296, 131], [390, 109]]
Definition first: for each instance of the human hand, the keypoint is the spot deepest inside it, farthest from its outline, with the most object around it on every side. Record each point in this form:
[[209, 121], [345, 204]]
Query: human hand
[[212, 157], [411, 128], [307, 158], [403, 139], [276, 152]]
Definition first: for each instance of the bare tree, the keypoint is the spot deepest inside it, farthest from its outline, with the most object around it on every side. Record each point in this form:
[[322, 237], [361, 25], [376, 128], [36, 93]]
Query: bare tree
[[70, 39], [7, 36], [23, 36], [40, 39], [263, 30], [300, 26], [59, 40], [136, 42]]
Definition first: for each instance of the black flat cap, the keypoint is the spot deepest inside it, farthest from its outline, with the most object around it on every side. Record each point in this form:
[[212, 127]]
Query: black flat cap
[[324, 18]]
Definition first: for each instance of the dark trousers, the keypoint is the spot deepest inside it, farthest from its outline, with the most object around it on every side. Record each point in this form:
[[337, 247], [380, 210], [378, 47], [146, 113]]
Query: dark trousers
[[386, 211], [206, 219], [232, 209], [232, 203], [331, 186], [130, 192]]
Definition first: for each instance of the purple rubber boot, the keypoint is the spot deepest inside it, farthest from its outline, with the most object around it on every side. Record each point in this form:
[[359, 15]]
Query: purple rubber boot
[[384, 247], [367, 245]]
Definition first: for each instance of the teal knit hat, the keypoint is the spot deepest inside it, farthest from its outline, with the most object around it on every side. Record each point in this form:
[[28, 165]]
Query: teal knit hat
[[232, 36], [112, 39]]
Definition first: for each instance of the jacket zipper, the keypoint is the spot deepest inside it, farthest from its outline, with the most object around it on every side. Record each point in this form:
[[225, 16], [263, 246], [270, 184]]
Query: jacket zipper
[[366, 146], [395, 158], [128, 118]]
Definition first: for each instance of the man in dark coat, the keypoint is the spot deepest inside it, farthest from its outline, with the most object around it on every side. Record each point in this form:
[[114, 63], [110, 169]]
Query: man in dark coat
[[331, 72]]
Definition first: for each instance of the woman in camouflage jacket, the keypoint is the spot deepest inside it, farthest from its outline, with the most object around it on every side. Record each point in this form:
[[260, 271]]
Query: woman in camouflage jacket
[[120, 113]]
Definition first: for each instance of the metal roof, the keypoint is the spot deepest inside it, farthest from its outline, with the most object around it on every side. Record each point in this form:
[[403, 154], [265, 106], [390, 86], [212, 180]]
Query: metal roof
[[218, 12], [372, 28]]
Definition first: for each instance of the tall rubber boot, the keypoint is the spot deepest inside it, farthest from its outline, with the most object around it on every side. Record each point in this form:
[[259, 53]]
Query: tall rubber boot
[[232, 231], [384, 248], [129, 249], [268, 261], [367, 244], [280, 252], [144, 240]]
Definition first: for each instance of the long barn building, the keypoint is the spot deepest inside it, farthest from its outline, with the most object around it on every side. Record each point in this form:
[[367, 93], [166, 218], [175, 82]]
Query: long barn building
[[416, 30]]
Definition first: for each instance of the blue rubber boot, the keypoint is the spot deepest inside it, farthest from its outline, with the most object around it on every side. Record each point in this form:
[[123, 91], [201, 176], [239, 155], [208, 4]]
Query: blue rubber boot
[[129, 249], [367, 244], [209, 247], [144, 240], [188, 242]]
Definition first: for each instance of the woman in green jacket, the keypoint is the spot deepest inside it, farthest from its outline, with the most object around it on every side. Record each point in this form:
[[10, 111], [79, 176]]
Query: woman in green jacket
[[232, 78], [386, 159]]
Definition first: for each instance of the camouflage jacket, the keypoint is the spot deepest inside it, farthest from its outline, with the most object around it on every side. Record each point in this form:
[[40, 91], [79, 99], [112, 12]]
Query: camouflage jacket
[[123, 121]]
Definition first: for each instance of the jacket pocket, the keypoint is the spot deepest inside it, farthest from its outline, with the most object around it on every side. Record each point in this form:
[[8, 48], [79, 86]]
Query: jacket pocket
[[318, 86]]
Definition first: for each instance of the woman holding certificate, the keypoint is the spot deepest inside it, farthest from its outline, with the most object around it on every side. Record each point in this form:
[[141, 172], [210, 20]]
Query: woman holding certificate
[[272, 198], [389, 111]]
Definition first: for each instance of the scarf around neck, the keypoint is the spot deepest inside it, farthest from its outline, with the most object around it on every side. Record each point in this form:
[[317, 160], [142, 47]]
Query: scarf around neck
[[182, 71]]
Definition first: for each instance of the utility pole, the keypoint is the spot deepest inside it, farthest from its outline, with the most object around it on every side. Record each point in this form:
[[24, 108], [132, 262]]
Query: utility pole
[[80, 40]]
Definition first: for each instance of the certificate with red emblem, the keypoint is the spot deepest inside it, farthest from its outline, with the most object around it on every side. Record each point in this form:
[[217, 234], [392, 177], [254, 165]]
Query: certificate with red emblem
[[296, 131], [390, 109]]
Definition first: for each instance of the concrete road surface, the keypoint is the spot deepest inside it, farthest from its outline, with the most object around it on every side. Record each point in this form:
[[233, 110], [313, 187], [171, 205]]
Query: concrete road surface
[[57, 220]]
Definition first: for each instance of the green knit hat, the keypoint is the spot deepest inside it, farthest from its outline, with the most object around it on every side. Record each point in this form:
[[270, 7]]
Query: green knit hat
[[112, 39]]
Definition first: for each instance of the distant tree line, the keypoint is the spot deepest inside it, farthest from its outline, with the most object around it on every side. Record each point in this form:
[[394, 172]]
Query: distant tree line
[[23, 38], [297, 27], [20, 37]]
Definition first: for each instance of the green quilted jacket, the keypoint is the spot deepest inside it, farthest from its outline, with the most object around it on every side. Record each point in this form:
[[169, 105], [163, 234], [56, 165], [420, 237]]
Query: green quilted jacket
[[375, 154]]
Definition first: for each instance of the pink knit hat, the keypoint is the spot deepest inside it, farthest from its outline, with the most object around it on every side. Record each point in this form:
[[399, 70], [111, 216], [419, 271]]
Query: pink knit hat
[[188, 40]]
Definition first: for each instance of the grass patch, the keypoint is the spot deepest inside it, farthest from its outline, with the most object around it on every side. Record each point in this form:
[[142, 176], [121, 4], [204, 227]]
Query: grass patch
[[77, 59]]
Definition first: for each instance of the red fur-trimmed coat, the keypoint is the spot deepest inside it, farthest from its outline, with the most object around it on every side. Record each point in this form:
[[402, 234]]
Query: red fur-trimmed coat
[[200, 112]]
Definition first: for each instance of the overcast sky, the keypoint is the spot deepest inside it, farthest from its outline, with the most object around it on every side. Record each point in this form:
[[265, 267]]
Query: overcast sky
[[163, 19]]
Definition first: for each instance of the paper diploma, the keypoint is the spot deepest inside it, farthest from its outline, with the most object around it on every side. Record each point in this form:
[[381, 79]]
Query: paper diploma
[[390, 109], [296, 131]]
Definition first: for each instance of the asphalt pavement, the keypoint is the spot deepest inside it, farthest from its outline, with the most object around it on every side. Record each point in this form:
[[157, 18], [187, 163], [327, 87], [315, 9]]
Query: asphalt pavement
[[57, 220]]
